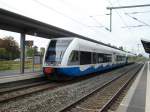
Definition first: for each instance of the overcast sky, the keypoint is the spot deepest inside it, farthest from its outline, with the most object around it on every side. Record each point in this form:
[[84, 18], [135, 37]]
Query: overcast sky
[[88, 18]]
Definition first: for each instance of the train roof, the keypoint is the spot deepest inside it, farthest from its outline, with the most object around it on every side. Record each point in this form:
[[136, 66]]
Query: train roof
[[95, 41]]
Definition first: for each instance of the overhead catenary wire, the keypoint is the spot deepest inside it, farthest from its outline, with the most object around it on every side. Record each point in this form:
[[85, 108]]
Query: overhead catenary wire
[[133, 13], [119, 14], [144, 24], [133, 26], [101, 25], [10, 6], [136, 19], [98, 26], [46, 6], [138, 12], [64, 2], [63, 14], [121, 17]]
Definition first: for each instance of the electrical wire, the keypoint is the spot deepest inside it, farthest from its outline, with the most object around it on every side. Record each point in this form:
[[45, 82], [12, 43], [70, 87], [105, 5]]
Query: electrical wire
[[99, 26], [136, 19], [119, 14], [44, 5], [121, 18], [11, 7], [145, 24], [87, 26], [134, 26], [52, 9], [138, 12], [96, 21]]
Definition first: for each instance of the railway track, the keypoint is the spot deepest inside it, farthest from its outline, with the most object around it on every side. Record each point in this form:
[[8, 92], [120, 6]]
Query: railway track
[[20, 91], [8, 94], [101, 99], [22, 86]]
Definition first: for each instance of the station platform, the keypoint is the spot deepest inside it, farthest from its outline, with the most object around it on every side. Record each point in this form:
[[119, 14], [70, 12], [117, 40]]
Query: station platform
[[12, 77], [137, 98]]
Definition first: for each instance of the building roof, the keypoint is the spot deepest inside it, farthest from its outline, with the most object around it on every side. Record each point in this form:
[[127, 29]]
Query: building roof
[[17, 23], [11, 21], [146, 45]]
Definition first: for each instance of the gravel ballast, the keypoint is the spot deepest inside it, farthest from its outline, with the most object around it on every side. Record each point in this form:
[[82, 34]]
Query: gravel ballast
[[57, 99]]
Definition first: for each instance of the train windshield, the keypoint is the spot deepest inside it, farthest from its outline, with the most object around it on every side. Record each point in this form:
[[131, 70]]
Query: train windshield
[[56, 51]]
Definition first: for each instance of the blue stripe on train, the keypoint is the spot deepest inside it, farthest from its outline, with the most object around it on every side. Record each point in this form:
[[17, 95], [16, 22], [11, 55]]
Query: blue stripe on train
[[75, 71]]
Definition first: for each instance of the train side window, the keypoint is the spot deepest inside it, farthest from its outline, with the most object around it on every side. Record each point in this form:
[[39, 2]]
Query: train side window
[[94, 58], [100, 58], [107, 58], [74, 58], [120, 58], [103, 58], [85, 58]]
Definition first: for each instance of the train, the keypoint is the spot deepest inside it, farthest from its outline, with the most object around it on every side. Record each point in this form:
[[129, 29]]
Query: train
[[74, 57]]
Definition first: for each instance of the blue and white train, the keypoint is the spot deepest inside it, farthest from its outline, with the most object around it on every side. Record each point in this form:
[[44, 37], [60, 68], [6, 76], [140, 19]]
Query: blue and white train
[[73, 57]]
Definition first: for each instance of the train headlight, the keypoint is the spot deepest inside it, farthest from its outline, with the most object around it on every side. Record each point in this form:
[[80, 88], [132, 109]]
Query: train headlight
[[48, 70]]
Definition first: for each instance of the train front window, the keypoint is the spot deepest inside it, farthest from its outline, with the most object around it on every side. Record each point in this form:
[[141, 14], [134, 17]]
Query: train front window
[[56, 51]]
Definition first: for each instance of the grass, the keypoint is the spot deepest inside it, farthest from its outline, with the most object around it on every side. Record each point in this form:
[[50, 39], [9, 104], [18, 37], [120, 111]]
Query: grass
[[15, 65]]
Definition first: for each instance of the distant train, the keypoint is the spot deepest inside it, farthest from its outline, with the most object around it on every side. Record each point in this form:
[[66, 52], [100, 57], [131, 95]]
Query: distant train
[[73, 57]]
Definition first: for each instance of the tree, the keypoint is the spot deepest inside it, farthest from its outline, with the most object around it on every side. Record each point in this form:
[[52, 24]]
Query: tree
[[29, 51], [3, 53], [11, 48]]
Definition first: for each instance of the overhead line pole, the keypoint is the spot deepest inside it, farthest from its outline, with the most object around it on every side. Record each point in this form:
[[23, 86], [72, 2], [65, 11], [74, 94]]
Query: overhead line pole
[[110, 20], [122, 7]]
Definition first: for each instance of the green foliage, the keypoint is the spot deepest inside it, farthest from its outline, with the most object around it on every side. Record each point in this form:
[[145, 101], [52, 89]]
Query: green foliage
[[8, 65], [29, 52], [15, 65], [2, 53], [35, 50], [141, 58], [9, 48]]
